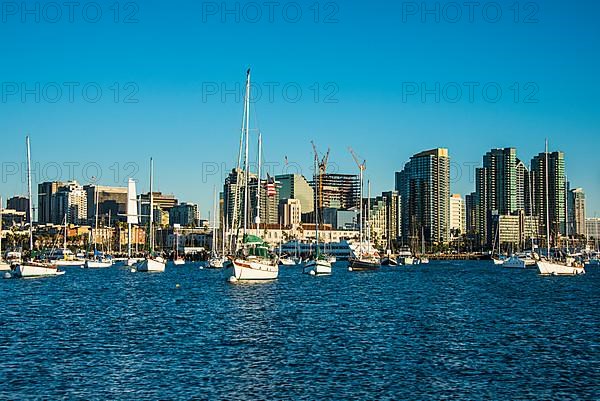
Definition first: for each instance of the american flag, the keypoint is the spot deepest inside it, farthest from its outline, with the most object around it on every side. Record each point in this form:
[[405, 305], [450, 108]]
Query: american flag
[[270, 186]]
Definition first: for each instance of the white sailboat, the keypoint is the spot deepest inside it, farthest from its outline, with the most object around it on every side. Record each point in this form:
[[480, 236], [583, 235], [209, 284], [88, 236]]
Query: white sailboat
[[254, 262], [31, 268], [319, 265], [132, 219], [3, 265], [152, 263], [99, 260], [216, 261], [64, 256], [364, 260], [549, 266]]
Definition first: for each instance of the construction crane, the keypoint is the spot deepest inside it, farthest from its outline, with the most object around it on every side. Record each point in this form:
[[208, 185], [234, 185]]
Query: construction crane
[[322, 167], [361, 167]]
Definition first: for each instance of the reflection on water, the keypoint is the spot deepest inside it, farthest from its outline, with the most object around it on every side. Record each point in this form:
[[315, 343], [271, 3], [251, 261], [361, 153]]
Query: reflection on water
[[464, 330]]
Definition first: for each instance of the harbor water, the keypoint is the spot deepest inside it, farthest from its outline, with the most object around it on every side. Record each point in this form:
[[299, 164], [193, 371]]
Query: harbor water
[[447, 330]]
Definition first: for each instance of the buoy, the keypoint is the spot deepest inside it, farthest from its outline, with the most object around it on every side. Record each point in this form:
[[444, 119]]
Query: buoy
[[232, 279], [177, 286], [201, 267], [349, 268], [133, 270], [312, 273], [7, 275]]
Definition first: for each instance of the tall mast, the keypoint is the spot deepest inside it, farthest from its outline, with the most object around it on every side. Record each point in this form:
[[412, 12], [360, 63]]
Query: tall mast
[[151, 206], [369, 214], [65, 237], [547, 202], [96, 199], [246, 161], [214, 238], [317, 184], [258, 185], [360, 220], [29, 193]]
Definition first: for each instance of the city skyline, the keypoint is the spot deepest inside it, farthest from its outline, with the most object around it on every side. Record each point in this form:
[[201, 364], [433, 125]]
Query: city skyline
[[462, 175]]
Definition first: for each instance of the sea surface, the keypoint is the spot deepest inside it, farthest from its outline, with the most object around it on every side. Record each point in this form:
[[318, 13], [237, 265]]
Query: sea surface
[[449, 330]]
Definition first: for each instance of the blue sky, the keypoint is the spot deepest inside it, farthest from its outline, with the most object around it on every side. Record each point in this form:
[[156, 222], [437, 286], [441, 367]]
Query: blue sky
[[360, 69]]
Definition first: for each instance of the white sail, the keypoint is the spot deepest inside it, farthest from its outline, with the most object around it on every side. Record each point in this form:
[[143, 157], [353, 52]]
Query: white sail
[[132, 212]]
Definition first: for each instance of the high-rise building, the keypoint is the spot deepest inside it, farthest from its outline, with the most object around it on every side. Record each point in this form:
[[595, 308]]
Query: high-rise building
[[393, 215], [576, 206], [424, 189], [502, 188], [592, 228], [339, 191], [162, 202], [184, 214], [555, 171], [290, 212], [112, 202], [70, 202], [19, 204], [46, 191], [341, 219], [295, 186], [233, 200], [457, 216]]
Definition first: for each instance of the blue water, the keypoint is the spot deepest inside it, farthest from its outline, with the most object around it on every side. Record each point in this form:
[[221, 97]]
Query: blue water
[[450, 330]]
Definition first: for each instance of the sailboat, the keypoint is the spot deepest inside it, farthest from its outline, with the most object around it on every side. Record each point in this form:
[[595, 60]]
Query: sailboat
[[216, 261], [363, 260], [253, 261], [3, 265], [99, 260], [65, 256], [177, 259], [153, 263], [549, 266], [33, 268], [132, 219], [319, 265]]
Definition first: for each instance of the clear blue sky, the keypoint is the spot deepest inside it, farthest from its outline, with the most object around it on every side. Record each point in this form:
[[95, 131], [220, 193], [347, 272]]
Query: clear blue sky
[[366, 57]]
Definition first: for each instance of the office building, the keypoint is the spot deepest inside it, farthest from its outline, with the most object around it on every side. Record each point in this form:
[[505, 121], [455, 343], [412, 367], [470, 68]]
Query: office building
[[18, 204], [576, 207], [112, 203], [424, 189], [46, 191], [457, 216], [290, 212], [70, 202], [295, 186], [184, 214], [555, 171], [339, 191]]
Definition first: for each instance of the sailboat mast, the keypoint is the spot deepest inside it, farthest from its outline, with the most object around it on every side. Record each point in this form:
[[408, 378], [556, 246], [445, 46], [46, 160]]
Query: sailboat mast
[[214, 240], [96, 198], [317, 184], [246, 151], [360, 210], [258, 185], [65, 237], [547, 202], [29, 193], [151, 206], [369, 215]]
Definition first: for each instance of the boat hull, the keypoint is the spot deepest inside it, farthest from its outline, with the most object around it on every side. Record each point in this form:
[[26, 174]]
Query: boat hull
[[287, 262], [362, 265], [244, 270], [93, 264], [554, 269], [406, 260], [389, 262], [4, 267], [216, 263], [179, 262], [72, 263], [26, 270], [317, 268], [152, 265]]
